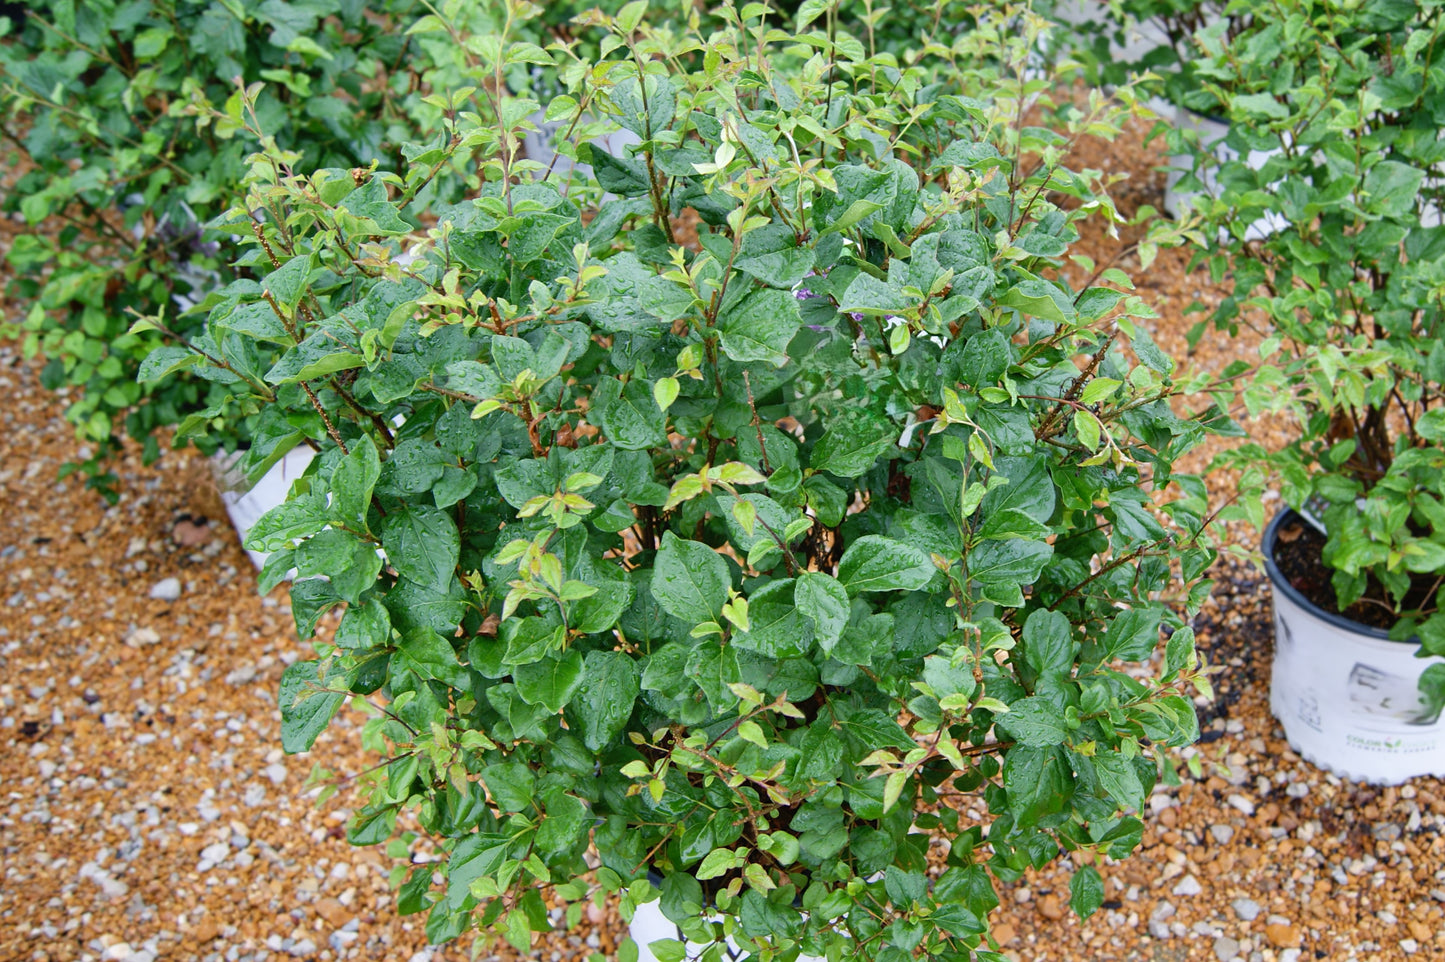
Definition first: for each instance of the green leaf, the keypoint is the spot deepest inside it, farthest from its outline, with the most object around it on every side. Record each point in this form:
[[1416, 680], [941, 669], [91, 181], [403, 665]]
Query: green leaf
[[352, 483], [317, 356], [760, 326], [551, 682], [1035, 720], [1048, 642], [422, 544], [164, 361], [364, 626], [824, 601], [1395, 186], [429, 655], [1133, 634], [875, 729], [776, 626], [511, 785], [905, 889], [821, 752], [629, 414], [1086, 891], [306, 708], [690, 580], [476, 856], [875, 563], [1260, 105], [856, 212], [1119, 778], [606, 699], [715, 668], [370, 203], [1030, 488], [564, 824], [946, 678], [856, 438], [529, 236], [1013, 561], [287, 283], [1037, 783], [1039, 298]]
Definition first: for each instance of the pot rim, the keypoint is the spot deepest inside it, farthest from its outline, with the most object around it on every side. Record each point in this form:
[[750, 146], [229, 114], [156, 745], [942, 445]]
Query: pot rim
[[1279, 583]]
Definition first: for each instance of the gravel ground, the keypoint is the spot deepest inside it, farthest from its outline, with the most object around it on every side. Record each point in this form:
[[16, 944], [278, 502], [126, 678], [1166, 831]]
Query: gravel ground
[[148, 812]]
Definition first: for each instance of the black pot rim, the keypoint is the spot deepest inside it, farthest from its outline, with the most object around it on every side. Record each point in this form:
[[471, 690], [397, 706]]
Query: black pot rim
[[1279, 583]]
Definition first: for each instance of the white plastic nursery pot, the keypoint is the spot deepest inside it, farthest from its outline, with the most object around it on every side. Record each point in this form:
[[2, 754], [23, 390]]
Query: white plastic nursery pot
[[649, 925], [1347, 696], [1212, 132], [245, 506]]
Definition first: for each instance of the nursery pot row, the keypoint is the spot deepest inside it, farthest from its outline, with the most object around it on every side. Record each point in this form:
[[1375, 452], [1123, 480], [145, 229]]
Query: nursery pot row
[[1347, 696]]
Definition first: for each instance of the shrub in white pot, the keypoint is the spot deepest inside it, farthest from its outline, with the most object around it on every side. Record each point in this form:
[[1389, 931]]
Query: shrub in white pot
[[751, 567], [1348, 297]]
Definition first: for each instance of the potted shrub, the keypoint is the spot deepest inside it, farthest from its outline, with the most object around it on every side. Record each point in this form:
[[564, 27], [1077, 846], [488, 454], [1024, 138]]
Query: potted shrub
[[1348, 300], [1153, 40], [744, 565], [99, 107]]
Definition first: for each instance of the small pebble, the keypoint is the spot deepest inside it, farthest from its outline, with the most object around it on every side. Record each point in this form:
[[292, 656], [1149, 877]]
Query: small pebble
[[1226, 949], [1189, 885], [1247, 910], [167, 589]]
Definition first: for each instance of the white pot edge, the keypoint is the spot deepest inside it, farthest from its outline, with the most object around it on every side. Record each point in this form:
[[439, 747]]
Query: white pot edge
[[245, 506]]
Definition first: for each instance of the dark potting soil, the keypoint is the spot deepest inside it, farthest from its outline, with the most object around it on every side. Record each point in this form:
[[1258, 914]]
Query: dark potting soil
[[1298, 547]]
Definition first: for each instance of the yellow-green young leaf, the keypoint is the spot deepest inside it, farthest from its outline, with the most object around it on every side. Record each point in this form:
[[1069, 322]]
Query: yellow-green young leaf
[[519, 933], [581, 481], [758, 878], [893, 788], [1203, 686], [751, 731], [978, 447], [993, 705], [664, 392], [486, 407], [1098, 389], [781, 845], [533, 505], [689, 358], [537, 868], [736, 612], [747, 514], [636, 768], [663, 950], [899, 338], [795, 528], [576, 591], [746, 693], [718, 861], [656, 787], [1088, 429], [736, 472], [760, 550], [684, 488]]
